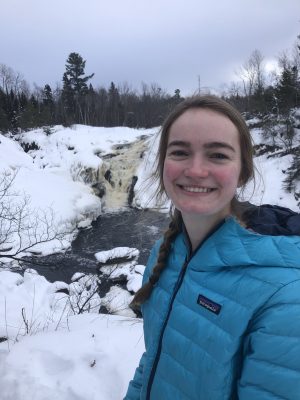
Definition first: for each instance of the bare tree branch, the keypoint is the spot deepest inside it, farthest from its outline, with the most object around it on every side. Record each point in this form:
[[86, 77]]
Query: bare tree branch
[[22, 227]]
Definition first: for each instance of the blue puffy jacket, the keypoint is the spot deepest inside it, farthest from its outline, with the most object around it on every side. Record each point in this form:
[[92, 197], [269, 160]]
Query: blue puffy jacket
[[224, 323]]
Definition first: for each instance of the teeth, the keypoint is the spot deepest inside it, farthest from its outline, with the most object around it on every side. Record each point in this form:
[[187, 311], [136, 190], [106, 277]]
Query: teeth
[[196, 189]]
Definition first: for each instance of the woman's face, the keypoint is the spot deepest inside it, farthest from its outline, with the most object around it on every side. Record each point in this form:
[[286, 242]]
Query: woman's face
[[203, 163]]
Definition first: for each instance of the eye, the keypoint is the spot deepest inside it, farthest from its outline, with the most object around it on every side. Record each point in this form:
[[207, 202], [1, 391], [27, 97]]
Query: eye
[[219, 156], [178, 153]]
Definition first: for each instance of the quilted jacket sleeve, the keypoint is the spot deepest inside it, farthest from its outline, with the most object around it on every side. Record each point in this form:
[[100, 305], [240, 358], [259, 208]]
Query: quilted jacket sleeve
[[135, 386], [271, 366]]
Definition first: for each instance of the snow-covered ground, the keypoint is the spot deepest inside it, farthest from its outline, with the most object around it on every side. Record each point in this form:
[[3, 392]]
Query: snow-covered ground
[[51, 352]]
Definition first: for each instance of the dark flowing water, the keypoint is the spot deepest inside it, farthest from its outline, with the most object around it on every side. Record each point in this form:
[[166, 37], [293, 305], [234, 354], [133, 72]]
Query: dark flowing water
[[131, 228]]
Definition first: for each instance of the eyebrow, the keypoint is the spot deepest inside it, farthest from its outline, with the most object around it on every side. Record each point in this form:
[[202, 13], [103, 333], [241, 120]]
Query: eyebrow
[[210, 145]]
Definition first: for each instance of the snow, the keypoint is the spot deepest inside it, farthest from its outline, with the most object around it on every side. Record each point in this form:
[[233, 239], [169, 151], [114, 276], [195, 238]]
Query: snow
[[53, 353], [117, 252], [93, 357], [116, 302], [135, 278], [57, 176], [59, 347], [145, 186], [116, 266], [253, 121], [270, 176]]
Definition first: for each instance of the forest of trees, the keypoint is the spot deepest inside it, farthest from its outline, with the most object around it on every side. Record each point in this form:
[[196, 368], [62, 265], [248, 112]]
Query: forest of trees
[[77, 101]]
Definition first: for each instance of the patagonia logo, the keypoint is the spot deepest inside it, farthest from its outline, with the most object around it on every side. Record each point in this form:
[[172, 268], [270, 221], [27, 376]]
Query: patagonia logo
[[209, 304]]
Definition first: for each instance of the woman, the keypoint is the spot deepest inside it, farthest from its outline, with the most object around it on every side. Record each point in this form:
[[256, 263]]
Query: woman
[[221, 292]]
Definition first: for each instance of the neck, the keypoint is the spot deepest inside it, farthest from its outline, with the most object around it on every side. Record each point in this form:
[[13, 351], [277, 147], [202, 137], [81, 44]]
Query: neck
[[200, 227]]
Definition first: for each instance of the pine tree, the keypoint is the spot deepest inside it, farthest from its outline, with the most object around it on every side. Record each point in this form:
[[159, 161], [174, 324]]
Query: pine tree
[[114, 107], [30, 116], [287, 89], [68, 100], [75, 73], [75, 89], [47, 96], [4, 123], [177, 97], [12, 109], [48, 106]]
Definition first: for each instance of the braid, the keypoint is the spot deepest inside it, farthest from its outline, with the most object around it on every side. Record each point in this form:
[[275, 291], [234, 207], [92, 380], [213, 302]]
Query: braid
[[145, 291], [240, 209]]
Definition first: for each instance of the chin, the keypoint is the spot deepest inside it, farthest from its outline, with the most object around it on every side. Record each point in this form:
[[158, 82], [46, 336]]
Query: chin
[[197, 210], [205, 211]]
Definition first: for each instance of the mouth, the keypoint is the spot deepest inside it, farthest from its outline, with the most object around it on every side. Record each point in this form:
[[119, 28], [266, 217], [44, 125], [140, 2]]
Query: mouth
[[196, 189]]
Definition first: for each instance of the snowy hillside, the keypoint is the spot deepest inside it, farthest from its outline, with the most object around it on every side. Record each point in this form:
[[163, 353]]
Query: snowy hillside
[[65, 174], [67, 179]]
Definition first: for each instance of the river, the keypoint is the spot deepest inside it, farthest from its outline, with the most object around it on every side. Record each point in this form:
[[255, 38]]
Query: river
[[132, 228]]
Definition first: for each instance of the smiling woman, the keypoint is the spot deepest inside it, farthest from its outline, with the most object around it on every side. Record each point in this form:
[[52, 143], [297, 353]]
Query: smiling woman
[[202, 169], [220, 296]]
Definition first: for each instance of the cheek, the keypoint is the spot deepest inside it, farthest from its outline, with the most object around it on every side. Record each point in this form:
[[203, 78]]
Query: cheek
[[170, 172], [230, 176]]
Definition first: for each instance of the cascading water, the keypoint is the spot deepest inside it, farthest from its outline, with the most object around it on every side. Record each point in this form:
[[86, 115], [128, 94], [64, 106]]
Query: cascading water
[[114, 182], [117, 175]]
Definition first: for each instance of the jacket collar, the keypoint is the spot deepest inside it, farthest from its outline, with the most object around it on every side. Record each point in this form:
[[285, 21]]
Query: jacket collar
[[232, 245]]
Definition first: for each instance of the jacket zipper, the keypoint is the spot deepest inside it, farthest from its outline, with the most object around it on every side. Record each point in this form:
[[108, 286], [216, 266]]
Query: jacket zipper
[[177, 287], [157, 357]]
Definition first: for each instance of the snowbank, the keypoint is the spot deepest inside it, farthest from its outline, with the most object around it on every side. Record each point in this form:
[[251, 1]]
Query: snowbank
[[52, 354], [91, 357]]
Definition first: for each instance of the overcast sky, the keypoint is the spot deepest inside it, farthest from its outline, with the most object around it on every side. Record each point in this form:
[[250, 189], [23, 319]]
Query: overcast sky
[[170, 42]]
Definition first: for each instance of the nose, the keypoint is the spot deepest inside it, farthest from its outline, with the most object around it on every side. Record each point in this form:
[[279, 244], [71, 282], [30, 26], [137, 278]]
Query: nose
[[197, 167]]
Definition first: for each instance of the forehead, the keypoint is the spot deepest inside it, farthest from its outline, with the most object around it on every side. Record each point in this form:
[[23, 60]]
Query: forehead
[[204, 125]]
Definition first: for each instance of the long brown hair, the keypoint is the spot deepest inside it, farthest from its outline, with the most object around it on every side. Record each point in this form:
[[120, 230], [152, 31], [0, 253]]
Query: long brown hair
[[220, 106]]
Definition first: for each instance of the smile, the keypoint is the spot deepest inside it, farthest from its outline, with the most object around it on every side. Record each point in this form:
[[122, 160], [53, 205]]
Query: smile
[[197, 189]]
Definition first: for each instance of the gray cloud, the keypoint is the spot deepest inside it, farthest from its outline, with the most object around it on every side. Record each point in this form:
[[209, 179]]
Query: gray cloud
[[170, 42]]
